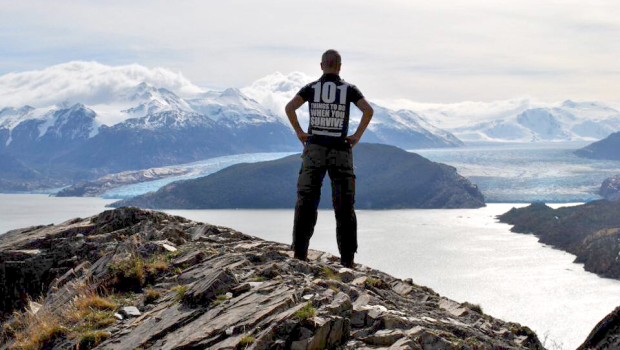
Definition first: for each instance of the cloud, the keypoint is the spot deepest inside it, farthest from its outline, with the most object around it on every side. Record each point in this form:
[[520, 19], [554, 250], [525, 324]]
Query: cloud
[[437, 51], [275, 90], [90, 83]]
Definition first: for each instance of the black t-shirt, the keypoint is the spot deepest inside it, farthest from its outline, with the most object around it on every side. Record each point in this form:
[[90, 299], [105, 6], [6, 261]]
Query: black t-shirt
[[329, 102]]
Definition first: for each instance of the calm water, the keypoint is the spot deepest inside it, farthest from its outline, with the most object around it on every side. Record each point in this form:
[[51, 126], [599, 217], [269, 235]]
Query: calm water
[[462, 254]]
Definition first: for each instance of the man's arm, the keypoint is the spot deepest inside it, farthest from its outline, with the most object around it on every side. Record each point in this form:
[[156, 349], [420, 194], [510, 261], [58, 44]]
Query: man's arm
[[291, 113], [367, 113]]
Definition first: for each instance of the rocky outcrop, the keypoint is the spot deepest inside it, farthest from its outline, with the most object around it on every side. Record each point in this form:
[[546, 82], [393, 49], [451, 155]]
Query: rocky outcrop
[[387, 177], [176, 284], [606, 334], [607, 148], [610, 188], [590, 231]]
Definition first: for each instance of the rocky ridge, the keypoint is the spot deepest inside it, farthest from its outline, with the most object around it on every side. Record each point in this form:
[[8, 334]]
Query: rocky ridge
[[606, 334], [387, 177], [610, 188], [606, 148], [590, 231], [155, 281]]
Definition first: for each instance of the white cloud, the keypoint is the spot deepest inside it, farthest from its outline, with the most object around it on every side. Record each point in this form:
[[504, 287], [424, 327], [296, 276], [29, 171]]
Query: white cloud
[[435, 51], [90, 83], [275, 90]]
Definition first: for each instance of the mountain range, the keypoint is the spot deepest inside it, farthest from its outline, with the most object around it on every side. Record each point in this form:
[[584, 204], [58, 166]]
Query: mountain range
[[569, 121], [142, 125], [516, 120], [82, 120]]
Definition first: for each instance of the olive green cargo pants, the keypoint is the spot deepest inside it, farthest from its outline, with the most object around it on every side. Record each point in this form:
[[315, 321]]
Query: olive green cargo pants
[[338, 163]]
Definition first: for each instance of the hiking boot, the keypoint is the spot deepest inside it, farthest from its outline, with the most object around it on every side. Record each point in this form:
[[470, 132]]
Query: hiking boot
[[347, 261], [301, 256]]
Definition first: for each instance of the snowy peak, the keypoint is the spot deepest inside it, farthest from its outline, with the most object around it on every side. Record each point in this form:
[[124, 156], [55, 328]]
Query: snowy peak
[[543, 124], [408, 129], [167, 119], [232, 107], [568, 121], [75, 122], [153, 100]]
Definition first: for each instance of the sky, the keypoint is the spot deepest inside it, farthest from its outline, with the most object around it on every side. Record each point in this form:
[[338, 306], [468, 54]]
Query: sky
[[433, 52]]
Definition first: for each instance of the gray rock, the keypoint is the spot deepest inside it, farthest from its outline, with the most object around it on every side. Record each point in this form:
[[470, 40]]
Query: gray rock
[[385, 337], [215, 283], [346, 275], [130, 311], [404, 344], [340, 305]]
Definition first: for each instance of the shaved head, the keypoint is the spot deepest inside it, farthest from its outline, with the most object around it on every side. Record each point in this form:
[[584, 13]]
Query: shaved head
[[331, 59]]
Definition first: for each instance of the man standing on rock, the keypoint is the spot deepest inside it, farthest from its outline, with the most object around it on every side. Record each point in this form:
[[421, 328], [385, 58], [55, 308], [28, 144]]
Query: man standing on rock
[[327, 148]]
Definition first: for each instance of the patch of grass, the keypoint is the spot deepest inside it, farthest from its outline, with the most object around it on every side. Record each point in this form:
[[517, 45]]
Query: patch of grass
[[156, 266], [135, 273], [172, 255], [91, 339], [221, 298], [151, 295], [99, 319], [81, 320], [330, 274], [37, 331], [247, 341], [91, 312], [181, 292], [95, 302], [374, 283], [308, 311], [128, 274], [473, 307]]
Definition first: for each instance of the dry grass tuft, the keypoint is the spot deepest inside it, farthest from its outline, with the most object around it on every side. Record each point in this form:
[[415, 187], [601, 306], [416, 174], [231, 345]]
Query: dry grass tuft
[[91, 339], [151, 296], [37, 331], [135, 273]]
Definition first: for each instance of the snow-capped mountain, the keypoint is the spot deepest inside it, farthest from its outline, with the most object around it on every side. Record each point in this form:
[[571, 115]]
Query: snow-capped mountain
[[152, 100], [36, 133], [82, 120], [406, 129], [144, 126], [231, 107], [569, 121], [402, 127]]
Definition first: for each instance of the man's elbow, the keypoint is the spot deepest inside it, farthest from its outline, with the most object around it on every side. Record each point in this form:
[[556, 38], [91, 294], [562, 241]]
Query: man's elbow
[[288, 108], [370, 111]]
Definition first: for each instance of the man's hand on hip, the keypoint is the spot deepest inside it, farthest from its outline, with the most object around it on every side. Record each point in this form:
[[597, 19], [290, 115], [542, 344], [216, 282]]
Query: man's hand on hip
[[303, 137], [353, 140]]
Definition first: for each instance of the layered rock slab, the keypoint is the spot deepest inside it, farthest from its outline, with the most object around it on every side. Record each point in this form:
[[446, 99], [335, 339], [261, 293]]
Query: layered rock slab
[[226, 290]]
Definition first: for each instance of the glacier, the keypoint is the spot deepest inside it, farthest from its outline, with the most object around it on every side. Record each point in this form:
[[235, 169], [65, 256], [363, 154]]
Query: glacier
[[191, 171], [548, 172]]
